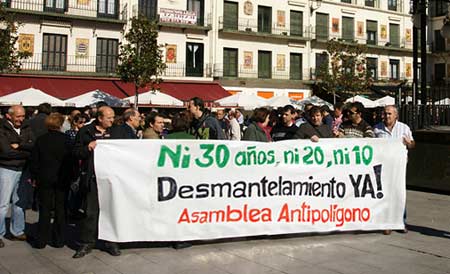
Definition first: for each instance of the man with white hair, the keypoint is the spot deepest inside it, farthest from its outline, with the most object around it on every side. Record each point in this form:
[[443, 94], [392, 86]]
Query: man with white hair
[[392, 128], [16, 144]]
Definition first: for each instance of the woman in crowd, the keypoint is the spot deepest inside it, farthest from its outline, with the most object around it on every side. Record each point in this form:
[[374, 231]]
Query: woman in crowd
[[258, 129], [77, 122], [180, 127], [47, 168]]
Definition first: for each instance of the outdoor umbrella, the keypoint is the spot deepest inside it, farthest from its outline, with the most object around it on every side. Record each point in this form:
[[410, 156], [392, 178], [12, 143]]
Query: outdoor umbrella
[[317, 101], [93, 97], [246, 101], [385, 101], [366, 102], [281, 101], [156, 98], [30, 97]]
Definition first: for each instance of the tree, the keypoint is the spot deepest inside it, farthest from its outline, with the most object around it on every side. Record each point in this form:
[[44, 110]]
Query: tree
[[348, 73], [140, 56], [9, 57]]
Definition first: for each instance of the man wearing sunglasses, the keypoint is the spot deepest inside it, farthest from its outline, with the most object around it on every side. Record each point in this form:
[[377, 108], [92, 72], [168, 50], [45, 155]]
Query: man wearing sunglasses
[[356, 126]]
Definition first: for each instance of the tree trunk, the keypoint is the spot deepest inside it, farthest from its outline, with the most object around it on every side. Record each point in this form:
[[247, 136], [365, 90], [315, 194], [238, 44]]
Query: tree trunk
[[136, 97]]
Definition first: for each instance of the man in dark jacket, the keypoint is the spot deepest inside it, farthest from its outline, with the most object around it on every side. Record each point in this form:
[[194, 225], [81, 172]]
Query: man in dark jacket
[[128, 130], [16, 143], [286, 130], [85, 144], [314, 129], [37, 123], [205, 126]]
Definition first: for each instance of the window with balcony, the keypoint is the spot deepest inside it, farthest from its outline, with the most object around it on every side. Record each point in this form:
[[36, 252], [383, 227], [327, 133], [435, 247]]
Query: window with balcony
[[372, 68], [322, 63], [371, 32], [108, 8], [439, 72], [439, 41], [295, 66], [440, 7], [392, 5], [322, 26], [59, 6], [107, 54], [230, 62], [230, 15], [394, 35], [197, 6], [264, 64], [296, 19], [5, 3], [54, 52], [394, 69], [370, 3], [148, 8], [194, 59], [264, 19], [348, 29]]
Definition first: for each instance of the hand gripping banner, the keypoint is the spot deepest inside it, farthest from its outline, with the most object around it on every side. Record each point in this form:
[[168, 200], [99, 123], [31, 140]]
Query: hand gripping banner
[[173, 190]]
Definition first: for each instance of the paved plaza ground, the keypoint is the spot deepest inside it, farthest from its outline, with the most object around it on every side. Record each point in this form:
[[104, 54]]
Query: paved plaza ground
[[424, 250]]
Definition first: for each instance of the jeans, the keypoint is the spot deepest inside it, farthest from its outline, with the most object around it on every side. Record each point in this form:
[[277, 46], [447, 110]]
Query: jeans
[[9, 183]]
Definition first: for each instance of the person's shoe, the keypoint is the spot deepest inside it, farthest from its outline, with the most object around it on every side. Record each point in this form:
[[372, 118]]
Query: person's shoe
[[112, 249], [387, 232], [181, 245], [22, 237], [82, 251], [2, 244]]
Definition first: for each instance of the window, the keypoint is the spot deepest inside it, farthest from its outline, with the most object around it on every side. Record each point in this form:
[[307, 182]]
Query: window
[[54, 52], [230, 15], [107, 8], [439, 41], [321, 26], [197, 6], [372, 68], [264, 64], [148, 8], [346, 1], [370, 3], [264, 19], [295, 72], [440, 7], [194, 59], [439, 72], [394, 66], [230, 62], [371, 30], [296, 19], [107, 54], [392, 5], [55, 6], [321, 63], [5, 3], [348, 29], [394, 35]]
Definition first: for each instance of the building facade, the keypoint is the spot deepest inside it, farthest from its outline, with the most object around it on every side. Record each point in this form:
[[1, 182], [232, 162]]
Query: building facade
[[263, 47]]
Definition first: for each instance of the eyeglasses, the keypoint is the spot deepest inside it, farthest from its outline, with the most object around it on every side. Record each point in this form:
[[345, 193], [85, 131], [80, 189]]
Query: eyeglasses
[[352, 112]]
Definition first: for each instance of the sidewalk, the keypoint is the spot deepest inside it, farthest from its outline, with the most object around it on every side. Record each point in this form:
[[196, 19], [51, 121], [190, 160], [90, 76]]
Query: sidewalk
[[424, 250]]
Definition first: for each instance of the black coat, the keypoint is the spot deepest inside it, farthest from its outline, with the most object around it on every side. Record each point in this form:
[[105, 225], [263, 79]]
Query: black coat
[[10, 158], [49, 160], [37, 124], [306, 131], [123, 131], [86, 135]]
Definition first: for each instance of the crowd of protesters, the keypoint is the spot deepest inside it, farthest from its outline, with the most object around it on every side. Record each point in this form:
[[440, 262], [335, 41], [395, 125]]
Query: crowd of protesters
[[46, 158]]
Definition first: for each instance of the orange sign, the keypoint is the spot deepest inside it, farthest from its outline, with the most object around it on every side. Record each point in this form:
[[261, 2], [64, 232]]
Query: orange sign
[[265, 94], [171, 54], [408, 70], [335, 25], [296, 95]]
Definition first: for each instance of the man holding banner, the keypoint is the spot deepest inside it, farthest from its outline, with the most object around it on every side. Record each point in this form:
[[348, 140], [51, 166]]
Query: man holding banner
[[85, 144]]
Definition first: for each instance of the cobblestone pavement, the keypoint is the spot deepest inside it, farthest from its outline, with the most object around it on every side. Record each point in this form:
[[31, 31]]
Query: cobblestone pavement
[[424, 250]]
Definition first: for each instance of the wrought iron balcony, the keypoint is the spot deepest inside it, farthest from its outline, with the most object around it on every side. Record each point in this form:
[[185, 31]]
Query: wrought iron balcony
[[110, 9], [251, 71], [251, 26]]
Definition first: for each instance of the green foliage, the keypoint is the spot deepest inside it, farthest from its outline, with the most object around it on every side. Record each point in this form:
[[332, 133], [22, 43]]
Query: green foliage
[[9, 57], [140, 56], [348, 74]]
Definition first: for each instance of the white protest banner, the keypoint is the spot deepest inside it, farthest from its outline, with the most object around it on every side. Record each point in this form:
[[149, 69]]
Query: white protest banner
[[171, 190]]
